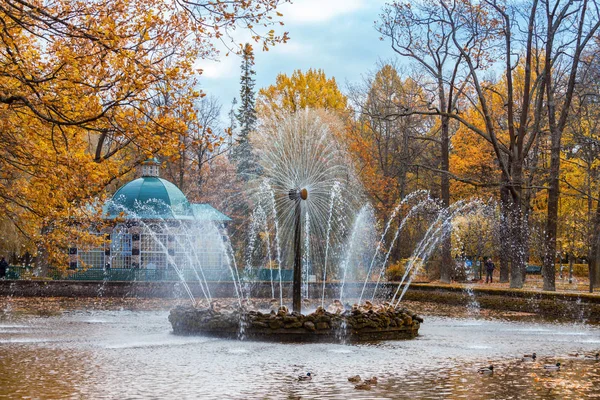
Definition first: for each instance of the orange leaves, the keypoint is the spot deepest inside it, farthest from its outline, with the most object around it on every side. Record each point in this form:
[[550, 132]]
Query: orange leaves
[[88, 89], [310, 89]]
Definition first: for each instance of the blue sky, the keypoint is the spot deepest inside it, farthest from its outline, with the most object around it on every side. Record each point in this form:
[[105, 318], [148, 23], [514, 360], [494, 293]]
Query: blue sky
[[337, 36]]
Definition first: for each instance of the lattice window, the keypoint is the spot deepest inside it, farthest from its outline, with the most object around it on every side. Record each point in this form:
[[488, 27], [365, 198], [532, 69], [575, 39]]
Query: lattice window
[[91, 259], [210, 259], [210, 244], [154, 243], [154, 260], [120, 248]]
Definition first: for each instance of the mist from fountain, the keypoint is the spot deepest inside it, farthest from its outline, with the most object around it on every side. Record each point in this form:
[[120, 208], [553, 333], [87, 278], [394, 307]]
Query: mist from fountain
[[436, 233], [423, 205], [184, 234], [300, 151], [363, 230]]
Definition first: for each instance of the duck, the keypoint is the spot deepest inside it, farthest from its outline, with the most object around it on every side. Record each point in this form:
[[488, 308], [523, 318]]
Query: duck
[[529, 357], [486, 370], [372, 381], [595, 357], [354, 379], [362, 386], [552, 367], [574, 355], [307, 377]]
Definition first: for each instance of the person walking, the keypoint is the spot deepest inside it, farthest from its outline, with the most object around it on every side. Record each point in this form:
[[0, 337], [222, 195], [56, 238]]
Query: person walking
[[3, 268], [489, 270]]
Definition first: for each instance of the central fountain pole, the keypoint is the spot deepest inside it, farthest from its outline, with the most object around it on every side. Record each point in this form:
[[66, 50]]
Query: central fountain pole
[[297, 196]]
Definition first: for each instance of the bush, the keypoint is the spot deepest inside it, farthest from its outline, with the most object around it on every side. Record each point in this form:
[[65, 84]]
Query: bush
[[579, 270], [395, 272]]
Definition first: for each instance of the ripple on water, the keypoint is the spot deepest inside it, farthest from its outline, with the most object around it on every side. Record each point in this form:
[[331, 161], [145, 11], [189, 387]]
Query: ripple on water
[[161, 342], [340, 351], [26, 340], [237, 351], [96, 321]]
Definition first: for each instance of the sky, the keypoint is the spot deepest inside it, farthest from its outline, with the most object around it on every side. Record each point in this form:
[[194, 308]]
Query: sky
[[337, 36]]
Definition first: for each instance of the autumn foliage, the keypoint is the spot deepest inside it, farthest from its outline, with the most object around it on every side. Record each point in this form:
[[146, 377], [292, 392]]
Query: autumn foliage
[[90, 89]]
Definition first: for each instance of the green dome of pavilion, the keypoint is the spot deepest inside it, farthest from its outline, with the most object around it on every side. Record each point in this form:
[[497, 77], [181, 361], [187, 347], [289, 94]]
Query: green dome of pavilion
[[149, 197]]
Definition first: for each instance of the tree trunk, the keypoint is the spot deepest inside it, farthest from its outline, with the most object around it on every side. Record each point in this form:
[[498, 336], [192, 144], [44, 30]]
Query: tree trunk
[[446, 269], [518, 256], [42, 258], [505, 239], [548, 269]]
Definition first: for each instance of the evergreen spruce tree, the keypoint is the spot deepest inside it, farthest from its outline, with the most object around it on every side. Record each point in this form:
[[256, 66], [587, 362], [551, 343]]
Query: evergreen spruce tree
[[242, 154]]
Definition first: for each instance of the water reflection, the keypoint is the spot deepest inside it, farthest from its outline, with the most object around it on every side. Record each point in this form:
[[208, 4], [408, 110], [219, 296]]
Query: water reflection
[[132, 354]]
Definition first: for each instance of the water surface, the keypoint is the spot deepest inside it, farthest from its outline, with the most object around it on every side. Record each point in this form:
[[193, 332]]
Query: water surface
[[133, 354]]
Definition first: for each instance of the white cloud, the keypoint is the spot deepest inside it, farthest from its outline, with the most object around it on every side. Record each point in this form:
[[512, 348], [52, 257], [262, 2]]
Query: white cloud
[[313, 11], [225, 67]]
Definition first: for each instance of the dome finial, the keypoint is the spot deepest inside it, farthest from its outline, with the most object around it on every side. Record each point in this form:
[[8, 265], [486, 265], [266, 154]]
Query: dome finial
[[150, 168]]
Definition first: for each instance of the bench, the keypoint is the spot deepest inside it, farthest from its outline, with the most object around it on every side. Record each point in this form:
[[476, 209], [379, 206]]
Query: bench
[[533, 269]]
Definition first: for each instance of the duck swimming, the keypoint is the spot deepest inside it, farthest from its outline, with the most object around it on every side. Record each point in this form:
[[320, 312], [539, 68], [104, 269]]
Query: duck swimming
[[486, 370], [529, 357], [355, 378], [362, 386], [595, 357], [552, 367], [372, 381], [307, 377]]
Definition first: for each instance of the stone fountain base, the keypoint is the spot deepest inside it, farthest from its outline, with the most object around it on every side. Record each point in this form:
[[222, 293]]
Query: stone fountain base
[[321, 326]]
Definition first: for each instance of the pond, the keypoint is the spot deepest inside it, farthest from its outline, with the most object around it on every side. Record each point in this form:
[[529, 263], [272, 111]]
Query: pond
[[133, 354]]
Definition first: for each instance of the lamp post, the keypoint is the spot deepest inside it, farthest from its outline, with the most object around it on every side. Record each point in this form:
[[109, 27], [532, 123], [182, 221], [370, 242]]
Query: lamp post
[[297, 195]]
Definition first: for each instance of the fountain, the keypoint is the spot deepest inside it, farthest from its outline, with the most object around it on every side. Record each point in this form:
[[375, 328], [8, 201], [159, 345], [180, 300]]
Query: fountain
[[304, 174]]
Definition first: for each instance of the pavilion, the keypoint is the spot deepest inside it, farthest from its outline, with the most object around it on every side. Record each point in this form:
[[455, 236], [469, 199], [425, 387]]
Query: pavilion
[[153, 229]]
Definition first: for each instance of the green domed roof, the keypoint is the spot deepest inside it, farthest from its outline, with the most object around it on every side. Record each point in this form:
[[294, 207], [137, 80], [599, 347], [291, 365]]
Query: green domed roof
[[149, 197]]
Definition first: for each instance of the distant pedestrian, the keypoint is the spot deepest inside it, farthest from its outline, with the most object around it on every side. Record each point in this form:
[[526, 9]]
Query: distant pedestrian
[[3, 268], [489, 270]]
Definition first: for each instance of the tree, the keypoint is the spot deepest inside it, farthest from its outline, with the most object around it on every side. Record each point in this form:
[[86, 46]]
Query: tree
[[310, 89], [569, 29], [387, 151], [545, 40], [77, 80], [203, 140], [415, 33], [242, 152], [580, 177]]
